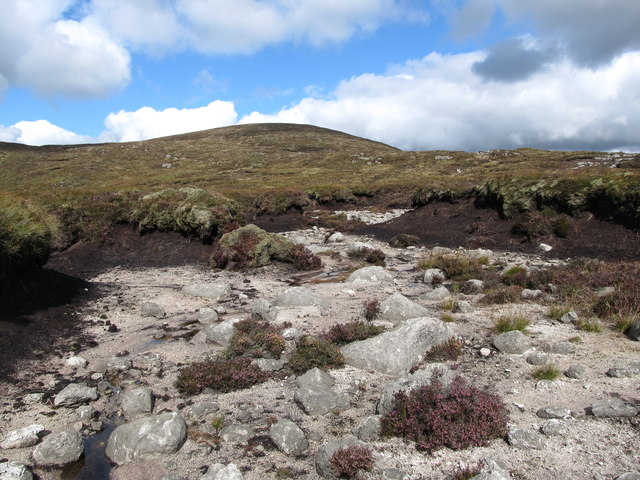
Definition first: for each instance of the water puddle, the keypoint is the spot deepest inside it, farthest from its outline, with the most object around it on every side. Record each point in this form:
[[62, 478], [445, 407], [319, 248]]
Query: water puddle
[[94, 464]]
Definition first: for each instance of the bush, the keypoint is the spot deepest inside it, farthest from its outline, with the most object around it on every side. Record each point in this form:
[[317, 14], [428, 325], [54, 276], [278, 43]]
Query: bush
[[371, 309], [347, 462], [370, 255], [546, 372], [503, 295], [533, 225], [556, 312], [515, 276], [344, 333], [448, 350], [220, 375], [466, 473], [458, 416], [315, 352], [404, 240], [253, 338]]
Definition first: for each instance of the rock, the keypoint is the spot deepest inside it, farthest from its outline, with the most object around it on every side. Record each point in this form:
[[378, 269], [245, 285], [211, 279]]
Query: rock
[[485, 352], [543, 247], [634, 331], [263, 310], [554, 411], [288, 437], [368, 430], [211, 291], [85, 413], [520, 438], [198, 411], [529, 294], [397, 351], [219, 471], [147, 437], [462, 306], [269, 364], [136, 402], [437, 294], [76, 362], [237, 433], [118, 365], [373, 274], [576, 371], [152, 309], [392, 474], [433, 276], [398, 308], [554, 427], [301, 297], [59, 449], [14, 471], [548, 384], [626, 371], [24, 437], [629, 476], [317, 399], [326, 451], [290, 333], [207, 316], [315, 376], [569, 317], [537, 358], [603, 292], [424, 376], [356, 247], [492, 470], [559, 348], [473, 286], [335, 237], [513, 342], [74, 394], [221, 333], [614, 407]]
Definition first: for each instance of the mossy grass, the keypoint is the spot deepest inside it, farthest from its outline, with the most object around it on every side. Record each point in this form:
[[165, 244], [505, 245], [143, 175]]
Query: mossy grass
[[511, 322], [546, 372]]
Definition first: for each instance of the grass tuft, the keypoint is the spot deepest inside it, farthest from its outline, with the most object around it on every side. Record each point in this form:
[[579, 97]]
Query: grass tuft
[[546, 372]]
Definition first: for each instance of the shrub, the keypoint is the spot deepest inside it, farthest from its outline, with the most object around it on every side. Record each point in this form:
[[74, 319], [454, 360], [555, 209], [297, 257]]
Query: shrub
[[546, 372], [315, 352], [556, 312], [507, 324], [533, 225], [404, 240], [455, 267], [449, 304], [347, 462], [253, 338], [371, 309], [502, 295], [448, 350], [466, 473], [622, 323], [458, 416], [350, 332], [303, 259], [220, 375], [370, 255], [515, 276]]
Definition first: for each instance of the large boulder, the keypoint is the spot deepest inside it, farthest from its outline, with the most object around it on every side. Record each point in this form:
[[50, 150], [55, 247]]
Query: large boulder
[[14, 471], [59, 449], [513, 342], [373, 274], [397, 351], [146, 438], [288, 437], [301, 297], [152, 309], [614, 407], [264, 310], [221, 333], [318, 399], [75, 394], [398, 308], [136, 401]]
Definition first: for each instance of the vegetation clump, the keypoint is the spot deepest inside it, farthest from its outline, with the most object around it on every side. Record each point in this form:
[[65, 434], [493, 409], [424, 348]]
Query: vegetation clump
[[313, 352], [344, 333], [509, 323], [374, 256], [455, 416], [347, 462], [371, 309], [546, 372], [219, 375], [253, 338], [448, 350], [536, 224], [455, 267], [404, 240]]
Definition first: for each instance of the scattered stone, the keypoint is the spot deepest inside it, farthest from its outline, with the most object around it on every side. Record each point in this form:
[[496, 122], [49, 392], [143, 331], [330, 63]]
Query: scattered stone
[[569, 317], [74, 394], [263, 310], [317, 399], [537, 358], [31, 398], [290, 333], [433, 276], [219, 471], [492, 470], [147, 437], [614, 407], [207, 316], [397, 351], [392, 474], [559, 348], [634, 331], [315, 376], [198, 411], [24, 437], [335, 237], [373, 274], [76, 362], [211, 291], [356, 247], [59, 449], [554, 427], [118, 365], [543, 247], [520, 438], [152, 309], [136, 402], [439, 293], [474, 285], [513, 342], [269, 364], [462, 306], [301, 297], [529, 294], [368, 430], [237, 433], [85, 413], [576, 371], [326, 451], [288, 437], [398, 308], [14, 471], [627, 371], [554, 411], [221, 333], [485, 352]]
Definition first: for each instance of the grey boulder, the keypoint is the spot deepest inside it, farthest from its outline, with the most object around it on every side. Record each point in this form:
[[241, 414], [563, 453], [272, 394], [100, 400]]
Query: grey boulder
[[207, 315], [264, 310], [373, 274], [513, 342], [317, 399], [24, 437], [211, 291], [288, 437], [75, 394], [136, 401], [368, 430], [614, 407], [59, 449], [221, 333], [14, 471], [398, 308], [301, 297], [526, 439], [634, 331], [219, 471], [152, 309]]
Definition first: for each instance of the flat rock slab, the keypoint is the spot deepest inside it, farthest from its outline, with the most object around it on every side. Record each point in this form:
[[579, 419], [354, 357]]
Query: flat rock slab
[[370, 275], [211, 291], [397, 351], [147, 437], [24, 437], [14, 471], [59, 449], [520, 438], [301, 297], [614, 407], [398, 308], [75, 394], [513, 342]]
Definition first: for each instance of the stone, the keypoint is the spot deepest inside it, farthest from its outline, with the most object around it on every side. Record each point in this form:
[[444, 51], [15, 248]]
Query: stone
[[335, 237], [301, 297], [554, 411], [59, 449], [433, 276], [485, 352], [136, 401], [398, 308], [75, 394], [288, 437], [290, 333], [614, 407], [554, 426], [14, 471], [199, 411], [576, 371], [513, 342], [207, 316], [543, 247], [559, 348], [317, 399], [356, 247], [147, 437], [326, 451], [629, 476], [569, 317], [422, 377], [537, 358], [605, 291], [625, 371], [373, 274], [76, 362], [368, 430], [152, 309], [211, 291], [634, 331], [24, 437], [237, 433], [521, 438], [492, 470], [269, 364], [392, 474], [529, 294], [219, 471], [263, 310], [221, 333], [85, 413], [462, 306], [397, 351], [315, 376], [439, 293], [118, 365], [473, 286]]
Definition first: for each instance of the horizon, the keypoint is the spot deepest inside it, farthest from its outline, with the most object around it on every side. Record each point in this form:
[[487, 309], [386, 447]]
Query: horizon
[[467, 75]]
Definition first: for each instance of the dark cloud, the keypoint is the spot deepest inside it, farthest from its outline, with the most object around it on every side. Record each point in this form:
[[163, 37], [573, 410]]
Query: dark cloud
[[511, 61]]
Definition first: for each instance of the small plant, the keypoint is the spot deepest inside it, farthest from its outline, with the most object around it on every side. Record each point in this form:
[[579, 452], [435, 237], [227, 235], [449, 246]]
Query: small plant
[[217, 423], [303, 259], [219, 375], [503, 295], [370, 255], [449, 304], [404, 240], [347, 462], [314, 352], [448, 350], [466, 473], [455, 267], [590, 325], [253, 338], [622, 323], [546, 372], [371, 309], [457, 416], [350, 332], [507, 324], [556, 312], [284, 472], [515, 276], [447, 318], [576, 339]]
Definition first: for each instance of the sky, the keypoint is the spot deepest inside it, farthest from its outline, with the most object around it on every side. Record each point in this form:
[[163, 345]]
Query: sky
[[416, 74]]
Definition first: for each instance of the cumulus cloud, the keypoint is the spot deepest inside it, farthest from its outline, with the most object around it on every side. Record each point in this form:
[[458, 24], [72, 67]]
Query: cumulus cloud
[[40, 132]]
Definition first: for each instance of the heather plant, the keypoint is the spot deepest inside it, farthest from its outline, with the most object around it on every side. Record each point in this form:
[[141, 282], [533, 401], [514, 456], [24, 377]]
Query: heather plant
[[371, 309], [466, 473], [220, 375], [448, 350], [503, 295], [370, 255], [347, 462], [344, 333], [255, 338], [312, 352], [516, 276], [455, 416]]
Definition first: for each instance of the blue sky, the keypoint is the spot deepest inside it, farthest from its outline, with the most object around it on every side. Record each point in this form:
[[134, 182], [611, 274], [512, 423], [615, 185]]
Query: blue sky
[[439, 74]]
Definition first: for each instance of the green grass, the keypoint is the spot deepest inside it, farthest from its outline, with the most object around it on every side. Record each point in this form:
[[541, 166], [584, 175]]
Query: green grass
[[590, 325], [509, 323], [546, 372], [556, 312]]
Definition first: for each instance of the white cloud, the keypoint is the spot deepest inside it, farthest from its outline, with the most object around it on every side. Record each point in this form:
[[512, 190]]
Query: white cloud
[[148, 123], [40, 132]]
